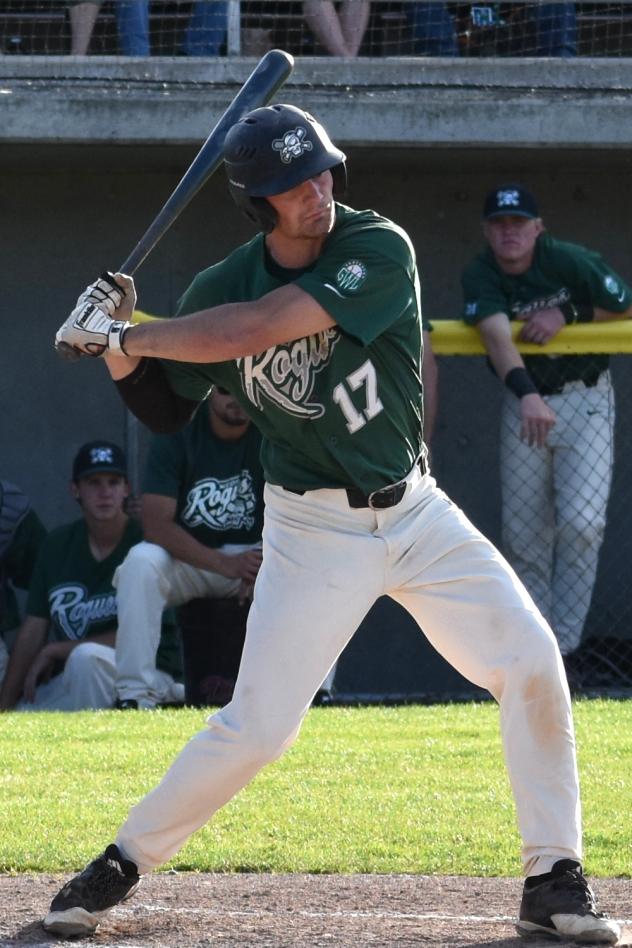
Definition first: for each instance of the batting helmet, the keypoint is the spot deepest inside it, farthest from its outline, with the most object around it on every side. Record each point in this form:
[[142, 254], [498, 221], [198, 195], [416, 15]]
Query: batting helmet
[[272, 149]]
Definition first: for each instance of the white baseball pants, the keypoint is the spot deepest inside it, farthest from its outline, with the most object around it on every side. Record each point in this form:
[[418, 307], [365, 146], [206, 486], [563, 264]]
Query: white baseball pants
[[324, 565], [148, 581], [554, 502]]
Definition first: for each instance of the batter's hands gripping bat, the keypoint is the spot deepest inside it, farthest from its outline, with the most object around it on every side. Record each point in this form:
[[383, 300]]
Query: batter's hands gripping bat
[[268, 75]]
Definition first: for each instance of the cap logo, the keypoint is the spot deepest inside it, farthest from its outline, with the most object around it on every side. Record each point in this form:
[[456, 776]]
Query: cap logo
[[351, 275], [101, 456], [292, 145], [507, 198]]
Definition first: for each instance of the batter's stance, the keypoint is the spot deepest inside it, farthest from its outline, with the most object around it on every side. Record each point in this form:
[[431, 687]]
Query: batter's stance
[[315, 327]]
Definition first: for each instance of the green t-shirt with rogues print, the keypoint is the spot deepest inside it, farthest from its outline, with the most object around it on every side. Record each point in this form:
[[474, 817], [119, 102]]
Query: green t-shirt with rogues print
[[342, 408], [217, 483]]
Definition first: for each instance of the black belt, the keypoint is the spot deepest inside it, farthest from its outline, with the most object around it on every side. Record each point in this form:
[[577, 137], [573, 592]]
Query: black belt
[[378, 499], [589, 382]]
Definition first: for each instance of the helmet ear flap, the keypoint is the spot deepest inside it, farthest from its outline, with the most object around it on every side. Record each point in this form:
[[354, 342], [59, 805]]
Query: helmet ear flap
[[263, 214], [339, 174]]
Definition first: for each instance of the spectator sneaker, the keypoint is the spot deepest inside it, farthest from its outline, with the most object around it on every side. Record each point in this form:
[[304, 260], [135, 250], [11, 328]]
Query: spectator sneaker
[[78, 908], [562, 904]]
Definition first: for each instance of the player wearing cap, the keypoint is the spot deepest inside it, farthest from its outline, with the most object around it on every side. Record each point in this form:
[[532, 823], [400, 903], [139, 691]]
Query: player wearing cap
[[63, 658], [315, 326], [558, 411]]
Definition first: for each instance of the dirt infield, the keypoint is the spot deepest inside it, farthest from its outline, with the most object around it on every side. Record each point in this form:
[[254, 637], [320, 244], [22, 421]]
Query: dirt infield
[[297, 911]]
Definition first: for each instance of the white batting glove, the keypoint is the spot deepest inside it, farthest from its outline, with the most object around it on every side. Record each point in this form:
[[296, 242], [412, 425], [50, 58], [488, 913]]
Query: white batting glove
[[91, 328]]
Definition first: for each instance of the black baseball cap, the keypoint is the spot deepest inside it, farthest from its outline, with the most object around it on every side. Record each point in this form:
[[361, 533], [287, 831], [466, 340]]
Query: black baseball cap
[[511, 199], [98, 457]]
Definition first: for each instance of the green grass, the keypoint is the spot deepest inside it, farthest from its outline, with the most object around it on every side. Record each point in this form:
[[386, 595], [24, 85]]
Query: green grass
[[384, 789]]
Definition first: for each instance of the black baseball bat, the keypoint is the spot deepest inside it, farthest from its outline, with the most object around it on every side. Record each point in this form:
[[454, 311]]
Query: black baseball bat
[[268, 75]]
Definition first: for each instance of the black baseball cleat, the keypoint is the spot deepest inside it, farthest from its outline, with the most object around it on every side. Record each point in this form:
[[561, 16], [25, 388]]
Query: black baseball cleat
[[126, 704], [78, 908], [562, 904]]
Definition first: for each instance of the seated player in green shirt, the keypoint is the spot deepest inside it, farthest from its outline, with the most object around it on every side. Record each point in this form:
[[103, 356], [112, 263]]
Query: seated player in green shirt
[[63, 657]]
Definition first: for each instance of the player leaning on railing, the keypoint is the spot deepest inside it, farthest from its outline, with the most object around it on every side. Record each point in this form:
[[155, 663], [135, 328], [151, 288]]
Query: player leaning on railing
[[557, 426], [315, 326]]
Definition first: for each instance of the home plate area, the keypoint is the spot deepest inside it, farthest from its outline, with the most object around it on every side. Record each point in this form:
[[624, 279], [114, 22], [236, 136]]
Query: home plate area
[[192, 910]]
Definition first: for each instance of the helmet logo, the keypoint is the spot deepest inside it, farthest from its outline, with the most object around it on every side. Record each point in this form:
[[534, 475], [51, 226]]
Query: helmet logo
[[292, 145], [351, 275]]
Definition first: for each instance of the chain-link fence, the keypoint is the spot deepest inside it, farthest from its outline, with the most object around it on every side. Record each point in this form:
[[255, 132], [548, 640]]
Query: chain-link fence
[[565, 520], [314, 28]]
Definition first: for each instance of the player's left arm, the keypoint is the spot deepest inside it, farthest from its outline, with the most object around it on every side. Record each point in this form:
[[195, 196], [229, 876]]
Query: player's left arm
[[232, 330], [598, 295], [540, 327], [219, 334]]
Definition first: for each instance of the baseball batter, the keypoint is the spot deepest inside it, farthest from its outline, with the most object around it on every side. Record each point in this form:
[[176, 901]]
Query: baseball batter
[[315, 326]]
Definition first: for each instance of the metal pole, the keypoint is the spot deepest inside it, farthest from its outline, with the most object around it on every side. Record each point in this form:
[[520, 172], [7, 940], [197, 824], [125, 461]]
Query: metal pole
[[233, 33]]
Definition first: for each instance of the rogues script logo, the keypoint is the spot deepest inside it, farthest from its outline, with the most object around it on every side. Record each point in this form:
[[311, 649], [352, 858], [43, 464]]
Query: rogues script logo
[[73, 610], [285, 374], [544, 302], [228, 504]]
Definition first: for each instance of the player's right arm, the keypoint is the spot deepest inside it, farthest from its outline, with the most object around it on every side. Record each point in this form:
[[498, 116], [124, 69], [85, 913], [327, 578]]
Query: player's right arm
[[537, 418], [30, 640]]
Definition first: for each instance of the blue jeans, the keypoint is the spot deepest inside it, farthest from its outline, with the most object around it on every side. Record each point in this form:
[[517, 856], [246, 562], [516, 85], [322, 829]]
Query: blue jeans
[[432, 29], [132, 21], [204, 36], [555, 29], [207, 28]]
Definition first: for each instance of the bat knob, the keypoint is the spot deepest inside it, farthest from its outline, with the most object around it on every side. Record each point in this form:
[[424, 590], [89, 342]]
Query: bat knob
[[66, 352]]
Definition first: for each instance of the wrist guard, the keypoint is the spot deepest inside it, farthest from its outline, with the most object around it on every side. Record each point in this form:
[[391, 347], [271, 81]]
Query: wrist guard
[[577, 312], [520, 382]]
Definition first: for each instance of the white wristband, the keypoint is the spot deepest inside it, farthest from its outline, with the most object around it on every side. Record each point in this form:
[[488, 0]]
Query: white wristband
[[115, 336]]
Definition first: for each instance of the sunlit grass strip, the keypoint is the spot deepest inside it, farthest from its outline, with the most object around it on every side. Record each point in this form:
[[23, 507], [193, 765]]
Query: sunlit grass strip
[[383, 789]]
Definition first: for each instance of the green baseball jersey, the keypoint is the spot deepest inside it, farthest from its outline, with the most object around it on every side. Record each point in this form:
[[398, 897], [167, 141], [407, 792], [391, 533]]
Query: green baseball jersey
[[560, 272], [71, 588], [341, 408], [218, 484]]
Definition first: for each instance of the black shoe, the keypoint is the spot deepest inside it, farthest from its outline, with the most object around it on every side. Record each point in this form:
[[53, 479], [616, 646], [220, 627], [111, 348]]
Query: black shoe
[[126, 704], [78, 908], [561, 903]]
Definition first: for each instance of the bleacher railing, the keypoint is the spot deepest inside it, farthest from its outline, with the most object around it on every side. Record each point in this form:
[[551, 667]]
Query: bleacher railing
[[249, 27]]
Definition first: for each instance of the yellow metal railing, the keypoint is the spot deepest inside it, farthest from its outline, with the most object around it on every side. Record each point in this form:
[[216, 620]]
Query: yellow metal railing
[[453, 337]]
